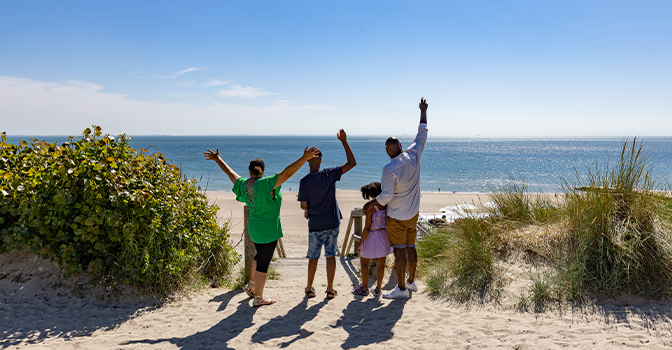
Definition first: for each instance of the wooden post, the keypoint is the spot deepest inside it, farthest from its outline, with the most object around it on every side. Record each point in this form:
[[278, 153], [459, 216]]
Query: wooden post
[[357, 234], [347, 235], [280, 248], [356, 216], [250, 250]]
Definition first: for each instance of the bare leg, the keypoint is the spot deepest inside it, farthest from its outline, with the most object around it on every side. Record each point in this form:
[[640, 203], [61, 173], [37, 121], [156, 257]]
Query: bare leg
[[253, 270], [400, 266], [412, 256], [380, 272], [312, 268], [365, 272], [331, 271], [259, 282]]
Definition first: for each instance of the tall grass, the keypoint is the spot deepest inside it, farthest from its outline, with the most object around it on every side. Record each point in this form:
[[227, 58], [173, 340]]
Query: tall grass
[[459, 262], [618, 234], [516, 204]]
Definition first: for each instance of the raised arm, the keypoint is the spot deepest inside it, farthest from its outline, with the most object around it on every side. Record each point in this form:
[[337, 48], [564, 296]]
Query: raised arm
[[423, 110], [351, 162], [210, 155], [308, 154]]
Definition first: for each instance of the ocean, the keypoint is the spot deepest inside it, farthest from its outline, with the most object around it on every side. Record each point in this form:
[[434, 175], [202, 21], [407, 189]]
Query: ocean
[[448, 164]]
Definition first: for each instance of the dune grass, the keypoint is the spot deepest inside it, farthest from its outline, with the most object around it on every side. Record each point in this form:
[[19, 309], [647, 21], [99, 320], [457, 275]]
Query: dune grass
[[614, 237], [618, 231], [459, 262]]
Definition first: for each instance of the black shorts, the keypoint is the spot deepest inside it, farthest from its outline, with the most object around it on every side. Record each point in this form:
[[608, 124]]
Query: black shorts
[[264, 255]]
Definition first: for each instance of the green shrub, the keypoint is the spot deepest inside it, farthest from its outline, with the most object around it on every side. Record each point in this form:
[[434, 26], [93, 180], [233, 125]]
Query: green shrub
[[98, 205]]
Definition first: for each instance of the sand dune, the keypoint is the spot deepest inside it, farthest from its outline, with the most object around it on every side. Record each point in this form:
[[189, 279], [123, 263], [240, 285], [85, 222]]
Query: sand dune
[[38, 309]]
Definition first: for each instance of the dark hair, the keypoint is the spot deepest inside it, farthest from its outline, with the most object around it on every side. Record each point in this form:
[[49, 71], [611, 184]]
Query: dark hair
[[257, 166], [371, 190]]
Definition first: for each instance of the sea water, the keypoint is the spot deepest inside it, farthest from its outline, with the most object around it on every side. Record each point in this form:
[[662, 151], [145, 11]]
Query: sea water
[[448, 164]]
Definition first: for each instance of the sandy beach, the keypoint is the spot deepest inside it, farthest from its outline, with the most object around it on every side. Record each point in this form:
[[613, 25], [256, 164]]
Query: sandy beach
[[39, 310]]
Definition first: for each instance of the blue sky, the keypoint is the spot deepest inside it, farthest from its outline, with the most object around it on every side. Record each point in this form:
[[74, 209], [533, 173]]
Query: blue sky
[[487, 68]]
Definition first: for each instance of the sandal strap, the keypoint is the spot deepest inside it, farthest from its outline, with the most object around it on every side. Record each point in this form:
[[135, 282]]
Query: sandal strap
[[261, 300]]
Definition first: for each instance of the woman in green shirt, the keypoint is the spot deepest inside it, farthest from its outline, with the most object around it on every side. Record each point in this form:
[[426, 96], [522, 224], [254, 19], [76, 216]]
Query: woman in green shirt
[[262, 196]]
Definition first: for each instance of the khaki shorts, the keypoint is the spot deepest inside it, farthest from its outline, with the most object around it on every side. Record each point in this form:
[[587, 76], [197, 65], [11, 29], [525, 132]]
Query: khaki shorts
[[402, 232]]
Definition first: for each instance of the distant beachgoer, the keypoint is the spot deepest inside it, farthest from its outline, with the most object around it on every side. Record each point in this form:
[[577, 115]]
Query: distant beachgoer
[[317, 194], [401, 193], [262, 196], [374, 243]]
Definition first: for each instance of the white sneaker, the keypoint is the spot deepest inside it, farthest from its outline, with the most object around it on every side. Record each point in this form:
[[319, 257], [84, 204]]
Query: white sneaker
[[397, 293], [411, 286]]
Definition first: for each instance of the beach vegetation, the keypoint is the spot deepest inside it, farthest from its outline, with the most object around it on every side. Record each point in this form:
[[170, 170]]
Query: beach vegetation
[[516, 205], [618, 230], [607, 234], [96, 205], [459, 262]]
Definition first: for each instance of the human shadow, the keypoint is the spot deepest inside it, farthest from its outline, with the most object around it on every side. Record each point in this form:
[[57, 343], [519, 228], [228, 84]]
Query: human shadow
[[24, 323], [289, 324], [350, 269], [218, 335], [369, 321]]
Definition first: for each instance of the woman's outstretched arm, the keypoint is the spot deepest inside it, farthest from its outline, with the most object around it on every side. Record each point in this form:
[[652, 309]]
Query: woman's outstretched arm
[[308, 154], [210, 155]]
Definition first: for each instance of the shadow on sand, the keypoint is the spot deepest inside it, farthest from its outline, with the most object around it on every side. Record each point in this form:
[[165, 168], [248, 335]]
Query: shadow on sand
[[296, 317], [62, 317], [368, 320], [220, 334]]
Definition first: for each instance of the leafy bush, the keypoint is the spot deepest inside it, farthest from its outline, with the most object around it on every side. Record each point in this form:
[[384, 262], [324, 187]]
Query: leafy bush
[[98, 205]]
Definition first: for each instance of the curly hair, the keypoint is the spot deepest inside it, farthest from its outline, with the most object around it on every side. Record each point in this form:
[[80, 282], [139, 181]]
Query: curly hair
[[371, 190]]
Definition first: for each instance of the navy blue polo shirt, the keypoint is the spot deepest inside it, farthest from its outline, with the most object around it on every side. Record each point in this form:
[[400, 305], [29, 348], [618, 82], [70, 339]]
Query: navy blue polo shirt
[[319, 190]]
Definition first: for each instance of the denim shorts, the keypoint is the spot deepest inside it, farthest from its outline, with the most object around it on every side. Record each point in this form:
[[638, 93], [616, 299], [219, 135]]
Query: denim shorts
[[326, 238]]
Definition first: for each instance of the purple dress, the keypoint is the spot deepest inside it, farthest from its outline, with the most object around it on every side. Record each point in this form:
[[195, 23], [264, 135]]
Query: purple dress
[[377, 245]]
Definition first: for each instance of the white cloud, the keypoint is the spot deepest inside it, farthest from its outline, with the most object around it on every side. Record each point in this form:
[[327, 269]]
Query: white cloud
[[214, 82], [84, 85], [192, 69], [247, 92], [31, 107]]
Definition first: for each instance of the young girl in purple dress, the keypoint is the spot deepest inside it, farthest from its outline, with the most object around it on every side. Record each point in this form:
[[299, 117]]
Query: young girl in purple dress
[[374, 243]]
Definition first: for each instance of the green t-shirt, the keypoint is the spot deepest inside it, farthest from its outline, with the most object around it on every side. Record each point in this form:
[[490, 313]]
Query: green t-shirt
[[264, 204]]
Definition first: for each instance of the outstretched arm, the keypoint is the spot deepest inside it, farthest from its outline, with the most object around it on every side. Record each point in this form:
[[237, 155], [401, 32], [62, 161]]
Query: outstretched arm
[[348, 152], [423, 110], [210, 155], [308, 154]]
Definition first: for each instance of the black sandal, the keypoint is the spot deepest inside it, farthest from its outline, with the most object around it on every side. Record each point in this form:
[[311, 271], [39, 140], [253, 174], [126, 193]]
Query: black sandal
[[310, 293], [331, 294]]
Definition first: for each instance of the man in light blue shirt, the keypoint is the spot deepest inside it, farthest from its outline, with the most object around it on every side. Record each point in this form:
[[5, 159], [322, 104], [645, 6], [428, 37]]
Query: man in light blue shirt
[[401, 193]]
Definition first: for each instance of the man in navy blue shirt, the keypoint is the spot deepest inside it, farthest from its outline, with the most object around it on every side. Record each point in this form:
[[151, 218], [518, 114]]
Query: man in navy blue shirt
[[317, 194]]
